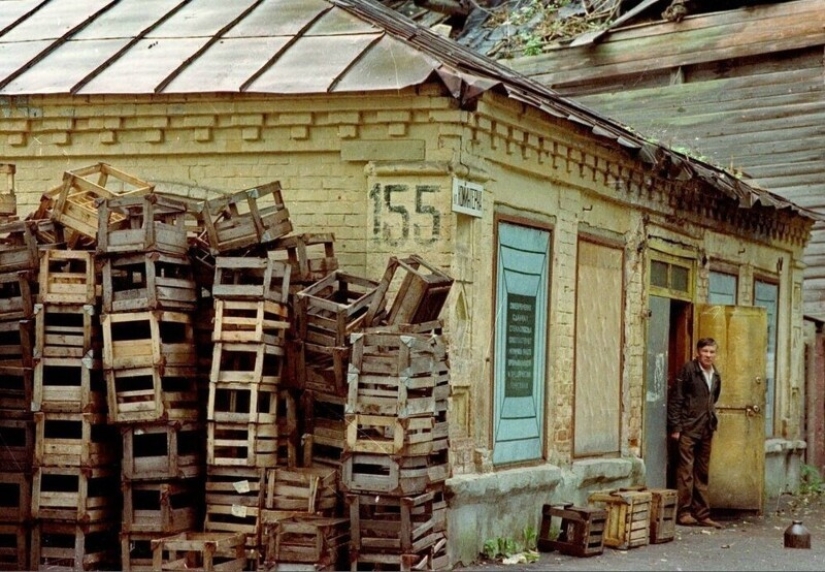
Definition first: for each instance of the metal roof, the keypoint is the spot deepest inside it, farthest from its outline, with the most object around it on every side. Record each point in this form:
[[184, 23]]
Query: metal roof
[[99, 47]]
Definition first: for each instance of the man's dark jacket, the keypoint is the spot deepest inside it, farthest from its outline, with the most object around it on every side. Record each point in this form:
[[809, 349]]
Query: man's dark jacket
[[691, 406]]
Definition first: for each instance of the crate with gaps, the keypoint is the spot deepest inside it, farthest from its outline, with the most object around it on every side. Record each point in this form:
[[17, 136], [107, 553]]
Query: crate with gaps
[[68, 277], [390, 435], [417, 289], [80, 494], [66, 330], [245, 218], [148, 281], [580, 529], [67, 545], [308, 539], [14, 545], [17, 437], [148, 394], [18, 292], [8, 199], [321, 368], [311, 490], [247, 363], [628, 516], [248, 445], [75, 205], [242, 518], [251, 278], [18, 246], [230, 486], [17, 343], [171, 450], [16, 388], [311, 256], [136, 551], [165, 507], [250, 322], [663, 515], [324, 429], [15, 496], [149, 222], [200, 552], [393, 524], [391, 474], [70, 384], [332, 308], [238, 402], [147, 339], [75, 440]]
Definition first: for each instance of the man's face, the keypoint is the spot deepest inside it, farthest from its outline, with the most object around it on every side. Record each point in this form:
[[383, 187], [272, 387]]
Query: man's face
[[707, 355]]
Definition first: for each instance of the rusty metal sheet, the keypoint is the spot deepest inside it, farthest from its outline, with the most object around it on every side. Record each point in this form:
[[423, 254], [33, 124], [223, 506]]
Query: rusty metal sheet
[[14, 56], [126, 19], [330, 56], [279, 18], [389, 64], [200, 18], [226, 65], [144, 66], [75, 60], [53, 20]]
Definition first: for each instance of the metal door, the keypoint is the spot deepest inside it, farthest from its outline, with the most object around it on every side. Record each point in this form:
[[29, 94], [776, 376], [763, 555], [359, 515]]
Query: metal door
[[737, 465], [655, 449]]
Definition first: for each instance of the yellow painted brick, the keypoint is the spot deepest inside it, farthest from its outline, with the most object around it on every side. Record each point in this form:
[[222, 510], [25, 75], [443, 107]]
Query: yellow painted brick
[[108, 137], [55, 124], [61, 138], [147, 122], [202, 134], [393, 116], [295, 119], [251, 119], [336, 117], [14, 125], [17, 139], [198, 121], [299, 132], [97, 123], [397, 129], [153, 135], [347, 131], [251, 133]]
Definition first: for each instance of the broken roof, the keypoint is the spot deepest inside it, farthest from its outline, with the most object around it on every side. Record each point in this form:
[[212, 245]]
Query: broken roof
[[99, 47]]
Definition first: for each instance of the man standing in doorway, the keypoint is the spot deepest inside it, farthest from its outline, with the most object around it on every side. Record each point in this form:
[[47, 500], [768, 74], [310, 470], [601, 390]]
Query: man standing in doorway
[[691, 419]]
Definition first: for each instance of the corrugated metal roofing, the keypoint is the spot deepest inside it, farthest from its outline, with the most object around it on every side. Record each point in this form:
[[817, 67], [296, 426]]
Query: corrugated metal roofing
[[89, 47]]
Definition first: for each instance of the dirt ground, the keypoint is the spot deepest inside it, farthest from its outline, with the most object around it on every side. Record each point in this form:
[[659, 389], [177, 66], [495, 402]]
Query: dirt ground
[[746, 542]]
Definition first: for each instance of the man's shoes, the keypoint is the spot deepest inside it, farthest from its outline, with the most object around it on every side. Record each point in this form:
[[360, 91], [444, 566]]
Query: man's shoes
[[687, 520], [709, 523]]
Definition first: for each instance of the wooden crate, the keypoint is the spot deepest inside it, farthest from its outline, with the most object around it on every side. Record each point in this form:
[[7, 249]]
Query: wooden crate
[[136, 551], [251, 278], [76, 494], [70, 385], [142, 395], [237, 402], [392, 475], [150, 222], [580, 530], [18, 247], [15, 497], [157, 338], [66, 330], [311, 256], [18, 292], [247, 363], [417, 297], [389, 435], [324, 429], [234, 486], [172, 450], [250, 322], [75, 440], [311, 490], [14, 545], [249, 445], [663, 515], [17, 343], [17, 436], [322, 369], [628, 517], [68, 277], [394, 525], [167, 507], [245, 218], [200, 551], [148, 281], [332, 308], [309, 539], [16, 388], [59, 545]]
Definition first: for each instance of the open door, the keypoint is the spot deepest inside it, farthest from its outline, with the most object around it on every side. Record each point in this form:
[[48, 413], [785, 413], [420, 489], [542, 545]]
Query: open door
[[737, 464]]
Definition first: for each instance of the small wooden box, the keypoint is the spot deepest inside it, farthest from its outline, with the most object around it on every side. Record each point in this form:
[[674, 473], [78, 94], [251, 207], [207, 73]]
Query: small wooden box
[[155, 393], [16, 388], [18, 292], [234, 362], [392, 475], [66, 331], [312, 490], [663, 515], [162, 451], [308, 539], [394, 524], [251, 278], [581, 530], [68, 277], [310, 255], [75, 440], [69, 384], [628, 517], [75, 546], [200, 552], [15, 497], [76, 494], [250, 321], [14, 545], [418, 297], [18, 246], [148, 281], [164, 507], [148, 339]]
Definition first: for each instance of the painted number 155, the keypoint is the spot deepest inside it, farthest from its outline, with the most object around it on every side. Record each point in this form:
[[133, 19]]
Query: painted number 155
[[391, 206]]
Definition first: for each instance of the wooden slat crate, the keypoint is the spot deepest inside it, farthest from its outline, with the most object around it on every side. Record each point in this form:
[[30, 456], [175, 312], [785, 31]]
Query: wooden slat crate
[[311, 256], [18, 292], [247, 363], [17, 436], [136, 551], [663, 515], [143, 395], [18, 247], [8, 200], [628, 517], [251, 278], [150, 222], [200, 551], [311, 490], [394, 525], [171, 450], [75, 440], [332, 308], [389, 435], [237, 402], [77, 494], [580, 530], [392, 475], [418, 296], [237, 518], [66, 330], [250, 321], [166, 507], [234, 486], [245, 218], [73, 546], [246, 445], [323, 369], [16, 388], [15, 538], [148, 281], [68, 277], [324, 429], [71, 385], [147, 339], [17, 343], [309, 539], [15, 497]]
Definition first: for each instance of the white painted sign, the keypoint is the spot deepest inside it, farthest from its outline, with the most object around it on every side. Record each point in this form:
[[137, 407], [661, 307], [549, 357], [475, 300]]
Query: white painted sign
[[467, 198]]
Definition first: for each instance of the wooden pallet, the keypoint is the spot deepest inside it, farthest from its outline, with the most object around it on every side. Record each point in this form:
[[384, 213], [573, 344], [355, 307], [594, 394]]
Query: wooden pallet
[[161, 339], [310, 490], [251, 278], [200, 551], [663, 515], [14, 545], [148, 281], [390, 435], [311, 256], [70, 545], [628, 516], [70, 385], [143, 395], [309, 539], [580, 530], [66, 330], [76, 494], [18, 247], [16, 387], [250, 322], [392, 475], [18, 292], [247, 363], [237, 402], [68, 277], [172, 450], [75, 440], [17, 436], [15, 497], [166, 507], [150, 222]]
